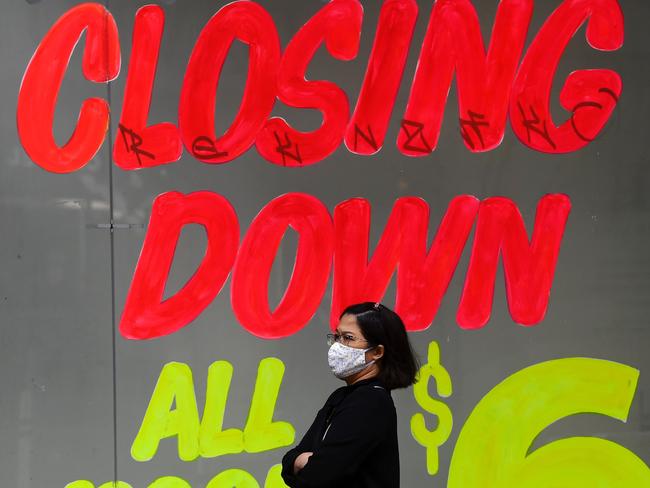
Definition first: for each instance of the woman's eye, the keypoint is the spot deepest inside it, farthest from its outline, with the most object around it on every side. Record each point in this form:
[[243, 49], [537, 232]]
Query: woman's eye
[[348, 338]]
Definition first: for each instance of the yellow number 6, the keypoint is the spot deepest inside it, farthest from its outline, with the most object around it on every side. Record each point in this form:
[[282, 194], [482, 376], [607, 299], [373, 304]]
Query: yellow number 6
[[492, 447]]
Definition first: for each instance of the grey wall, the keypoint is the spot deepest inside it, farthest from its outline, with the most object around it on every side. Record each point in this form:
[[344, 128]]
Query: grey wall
[[62, 419]]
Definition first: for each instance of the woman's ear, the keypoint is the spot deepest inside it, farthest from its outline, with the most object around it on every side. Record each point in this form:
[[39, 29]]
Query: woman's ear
[[378, 352]]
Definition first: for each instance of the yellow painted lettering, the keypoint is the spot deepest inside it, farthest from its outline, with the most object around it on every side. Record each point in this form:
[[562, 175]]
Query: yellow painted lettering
[[80, 484], [261, 433], [212, 440], [170, 482], [175, 384], [432, 439], [492, 448], [274, 478], [90, 484], [233, 478]]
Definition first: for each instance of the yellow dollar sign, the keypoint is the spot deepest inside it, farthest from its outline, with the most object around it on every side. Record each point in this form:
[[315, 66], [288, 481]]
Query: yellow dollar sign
[[432, 439]]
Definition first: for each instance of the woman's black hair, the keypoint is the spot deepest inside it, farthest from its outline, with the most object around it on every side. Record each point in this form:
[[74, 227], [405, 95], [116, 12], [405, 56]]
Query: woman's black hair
[[398, 367]]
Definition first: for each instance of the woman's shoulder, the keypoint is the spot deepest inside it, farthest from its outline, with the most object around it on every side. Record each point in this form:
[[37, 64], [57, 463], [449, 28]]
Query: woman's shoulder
[[336, 397], [374, 395], [370, 394]]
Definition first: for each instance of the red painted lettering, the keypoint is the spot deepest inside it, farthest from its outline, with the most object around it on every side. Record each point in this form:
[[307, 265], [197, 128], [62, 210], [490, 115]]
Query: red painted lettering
[[453, 42], [42, 81], [136, 145], [249, 293], [338, 24], [367, 129], [251, 24], [146, 315], [422, 277], [528, 266], [589, 95]]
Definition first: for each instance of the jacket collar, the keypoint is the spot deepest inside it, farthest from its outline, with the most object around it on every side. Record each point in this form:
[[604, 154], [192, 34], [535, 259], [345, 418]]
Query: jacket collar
[[368, 381]]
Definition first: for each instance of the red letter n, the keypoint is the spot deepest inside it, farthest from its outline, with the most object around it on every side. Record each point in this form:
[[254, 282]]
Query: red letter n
[[528, 266]]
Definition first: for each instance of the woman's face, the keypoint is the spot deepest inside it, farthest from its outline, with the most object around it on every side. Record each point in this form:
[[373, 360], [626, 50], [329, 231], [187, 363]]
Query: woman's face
[[350, 335]]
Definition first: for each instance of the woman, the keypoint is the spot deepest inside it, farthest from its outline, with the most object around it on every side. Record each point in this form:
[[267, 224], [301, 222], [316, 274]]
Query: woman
[[353, 440]]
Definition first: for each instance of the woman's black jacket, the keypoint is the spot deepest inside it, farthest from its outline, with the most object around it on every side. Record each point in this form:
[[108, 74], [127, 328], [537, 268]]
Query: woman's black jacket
[[354, 441]]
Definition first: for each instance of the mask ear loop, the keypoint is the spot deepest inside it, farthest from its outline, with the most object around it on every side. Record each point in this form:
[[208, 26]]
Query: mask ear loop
[[372, 361]]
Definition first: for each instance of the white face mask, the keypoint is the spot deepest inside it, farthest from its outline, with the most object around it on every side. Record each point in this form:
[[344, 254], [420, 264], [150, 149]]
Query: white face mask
[[344, 360]]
